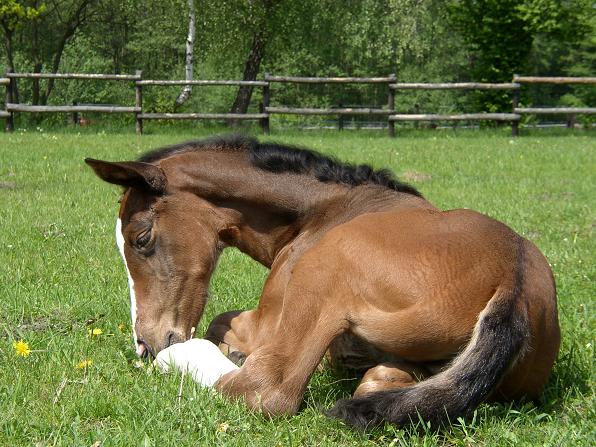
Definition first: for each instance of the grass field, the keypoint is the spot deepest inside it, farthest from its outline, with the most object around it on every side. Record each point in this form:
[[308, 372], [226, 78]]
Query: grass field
[[61, 276]]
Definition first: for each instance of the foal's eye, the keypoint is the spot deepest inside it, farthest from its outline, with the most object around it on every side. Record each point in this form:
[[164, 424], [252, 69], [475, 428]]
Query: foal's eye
[[143, 238]]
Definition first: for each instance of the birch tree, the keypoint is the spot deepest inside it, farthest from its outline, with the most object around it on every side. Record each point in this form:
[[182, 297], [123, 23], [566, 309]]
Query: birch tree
[[190, 42]]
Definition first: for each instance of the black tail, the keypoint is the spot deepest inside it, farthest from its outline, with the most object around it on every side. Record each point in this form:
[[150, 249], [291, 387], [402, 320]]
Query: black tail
[[499, 338]]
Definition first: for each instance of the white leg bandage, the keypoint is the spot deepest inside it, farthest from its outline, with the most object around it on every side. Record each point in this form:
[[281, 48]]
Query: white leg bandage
[[198, 357]]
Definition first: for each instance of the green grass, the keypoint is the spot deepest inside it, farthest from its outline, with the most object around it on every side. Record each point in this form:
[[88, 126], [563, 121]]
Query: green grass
[[60, 275]]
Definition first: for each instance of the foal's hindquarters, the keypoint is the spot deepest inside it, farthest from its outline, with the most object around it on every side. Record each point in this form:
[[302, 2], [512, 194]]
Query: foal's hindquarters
[[428, 280], [421, 287]]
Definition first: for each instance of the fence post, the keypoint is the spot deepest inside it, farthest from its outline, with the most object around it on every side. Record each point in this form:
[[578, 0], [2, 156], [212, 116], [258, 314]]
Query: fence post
[[9, 99], [264, 105], [515, 103], [571, 121], [391, 105], [139, 104], [340, 118], [75, 115], [417, 111]]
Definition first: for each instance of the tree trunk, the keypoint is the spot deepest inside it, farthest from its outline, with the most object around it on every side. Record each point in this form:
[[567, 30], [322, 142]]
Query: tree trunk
[[8, 33], [37, 66], [72, 25], [251, 69], [8, 46], [56, 64], [253, 63], [190, 43]]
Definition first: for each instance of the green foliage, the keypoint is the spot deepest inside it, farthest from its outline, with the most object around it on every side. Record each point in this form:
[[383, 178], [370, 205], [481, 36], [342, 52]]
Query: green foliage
[[574, 55], [14, 13], [500, 35], [418, 40], [498, 38], [497, 34]]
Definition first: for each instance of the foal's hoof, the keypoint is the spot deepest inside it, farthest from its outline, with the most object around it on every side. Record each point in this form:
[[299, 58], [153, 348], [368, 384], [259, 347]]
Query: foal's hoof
[[237, 357]]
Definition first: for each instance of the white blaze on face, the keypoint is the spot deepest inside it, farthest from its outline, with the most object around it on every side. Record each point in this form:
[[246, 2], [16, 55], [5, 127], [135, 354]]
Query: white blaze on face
[[131, 285]]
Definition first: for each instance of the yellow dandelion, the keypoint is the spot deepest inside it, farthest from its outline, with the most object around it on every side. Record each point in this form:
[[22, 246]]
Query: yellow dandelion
[[122, 327], [223, 427], [95, 331], [138, 364], [21, 348], [84, 364]]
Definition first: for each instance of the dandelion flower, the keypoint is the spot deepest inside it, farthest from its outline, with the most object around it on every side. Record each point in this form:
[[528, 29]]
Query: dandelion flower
[[138, 364], [223, 427], [84, 364], [122, 327], [95, 331], [21, 348]]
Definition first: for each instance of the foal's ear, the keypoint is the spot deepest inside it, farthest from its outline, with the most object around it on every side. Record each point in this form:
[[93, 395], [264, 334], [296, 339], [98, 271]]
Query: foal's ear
[[131, 174]]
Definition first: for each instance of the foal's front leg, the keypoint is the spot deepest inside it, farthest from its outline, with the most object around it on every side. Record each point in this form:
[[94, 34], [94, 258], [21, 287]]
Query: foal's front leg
[[291, 344]]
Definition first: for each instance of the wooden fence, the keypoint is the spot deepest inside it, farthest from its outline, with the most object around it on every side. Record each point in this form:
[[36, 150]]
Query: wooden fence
[[262, 117], [339, 111], [266, 110], [571, 112], [8, 98], [512, 117], [11, 107]]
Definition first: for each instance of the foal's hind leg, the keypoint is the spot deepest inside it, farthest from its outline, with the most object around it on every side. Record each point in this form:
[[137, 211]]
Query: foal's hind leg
[[231, 332], [389, 376], [352, 353]]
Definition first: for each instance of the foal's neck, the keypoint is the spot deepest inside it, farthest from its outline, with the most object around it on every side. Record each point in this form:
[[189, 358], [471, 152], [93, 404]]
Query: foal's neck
[[261, 211]]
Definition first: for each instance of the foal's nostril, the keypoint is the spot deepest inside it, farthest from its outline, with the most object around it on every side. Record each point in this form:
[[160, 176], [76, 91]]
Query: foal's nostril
[[171, 338]]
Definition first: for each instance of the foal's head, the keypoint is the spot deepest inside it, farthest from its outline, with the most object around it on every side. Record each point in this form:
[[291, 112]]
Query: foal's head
[[169, 243]]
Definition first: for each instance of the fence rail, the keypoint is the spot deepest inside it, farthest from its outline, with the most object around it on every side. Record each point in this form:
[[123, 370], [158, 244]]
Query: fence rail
[[553, 80], [386, 110], [556, 110], [454, 86], [316, 80], [71, 109], [99, 77], [202, 82], [203, 116], [461, 117], [330, 111]]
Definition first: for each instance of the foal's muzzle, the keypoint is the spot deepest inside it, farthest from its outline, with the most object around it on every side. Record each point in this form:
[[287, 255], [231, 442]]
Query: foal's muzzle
[[146, 350], [143, 349]]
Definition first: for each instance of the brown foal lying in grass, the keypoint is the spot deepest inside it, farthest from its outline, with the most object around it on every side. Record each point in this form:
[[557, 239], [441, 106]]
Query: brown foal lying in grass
[[441, 309]]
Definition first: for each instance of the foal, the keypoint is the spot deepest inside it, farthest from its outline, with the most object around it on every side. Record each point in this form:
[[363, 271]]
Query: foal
[[442, 309]]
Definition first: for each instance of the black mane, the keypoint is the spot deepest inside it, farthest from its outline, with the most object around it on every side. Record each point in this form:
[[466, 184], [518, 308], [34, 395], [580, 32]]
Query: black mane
[[224, 143], [275, 157]]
